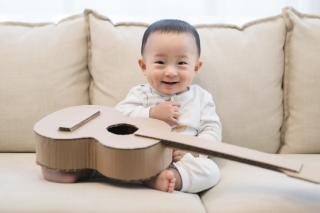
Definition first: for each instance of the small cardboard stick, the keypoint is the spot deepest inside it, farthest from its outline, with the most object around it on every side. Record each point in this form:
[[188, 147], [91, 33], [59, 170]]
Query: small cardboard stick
[[78, 120]]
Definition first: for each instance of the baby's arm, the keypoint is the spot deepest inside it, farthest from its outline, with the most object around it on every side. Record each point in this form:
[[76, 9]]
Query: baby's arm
[[210, 125], [134, 105]]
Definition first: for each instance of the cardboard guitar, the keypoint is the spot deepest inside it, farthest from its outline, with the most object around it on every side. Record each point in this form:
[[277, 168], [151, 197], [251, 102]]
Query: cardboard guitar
[[124, 148]]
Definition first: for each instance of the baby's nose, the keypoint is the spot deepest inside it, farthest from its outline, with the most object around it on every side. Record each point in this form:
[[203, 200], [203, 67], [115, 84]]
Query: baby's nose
[[171, 71]]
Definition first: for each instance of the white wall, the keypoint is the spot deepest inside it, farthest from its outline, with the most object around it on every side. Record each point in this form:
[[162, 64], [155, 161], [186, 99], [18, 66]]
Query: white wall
[[194, 11]]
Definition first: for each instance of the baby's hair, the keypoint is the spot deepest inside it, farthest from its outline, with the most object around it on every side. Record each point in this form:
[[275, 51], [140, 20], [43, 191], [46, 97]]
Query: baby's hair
[[171, 26]]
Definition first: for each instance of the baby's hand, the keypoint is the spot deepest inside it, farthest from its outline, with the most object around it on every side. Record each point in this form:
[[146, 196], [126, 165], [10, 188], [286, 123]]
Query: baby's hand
[[167, 111], [177, 154]]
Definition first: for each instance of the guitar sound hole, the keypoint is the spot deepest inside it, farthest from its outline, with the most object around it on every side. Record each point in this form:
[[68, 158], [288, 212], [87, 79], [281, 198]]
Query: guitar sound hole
[[122, 129]]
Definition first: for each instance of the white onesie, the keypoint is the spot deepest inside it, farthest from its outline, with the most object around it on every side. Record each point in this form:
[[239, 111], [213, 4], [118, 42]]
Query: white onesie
[[197, 117]]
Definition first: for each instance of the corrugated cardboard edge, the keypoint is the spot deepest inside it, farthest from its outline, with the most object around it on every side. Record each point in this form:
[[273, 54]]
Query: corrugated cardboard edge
[[126, 164], [286, 83]]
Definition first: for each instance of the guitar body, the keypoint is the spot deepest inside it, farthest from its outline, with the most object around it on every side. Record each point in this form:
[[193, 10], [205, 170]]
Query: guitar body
[[104, 142]]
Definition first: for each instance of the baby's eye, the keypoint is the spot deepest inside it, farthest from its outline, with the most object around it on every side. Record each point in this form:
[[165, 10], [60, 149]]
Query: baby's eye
[[182, 63], [159, 62]]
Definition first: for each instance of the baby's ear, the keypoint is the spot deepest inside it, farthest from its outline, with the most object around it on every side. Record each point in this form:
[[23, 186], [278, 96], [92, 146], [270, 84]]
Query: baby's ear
[[198, 65], [142, 64]]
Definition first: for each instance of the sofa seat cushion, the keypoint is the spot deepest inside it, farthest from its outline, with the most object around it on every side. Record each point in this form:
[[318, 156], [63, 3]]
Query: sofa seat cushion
[[245, 188], [24, 190]]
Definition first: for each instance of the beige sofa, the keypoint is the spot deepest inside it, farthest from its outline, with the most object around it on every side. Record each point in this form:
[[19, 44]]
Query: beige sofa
[[264, 77]]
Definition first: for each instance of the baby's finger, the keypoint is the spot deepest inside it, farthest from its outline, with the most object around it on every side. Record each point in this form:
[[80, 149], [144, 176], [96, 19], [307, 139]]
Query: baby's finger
[[176, 115], [177, 153], [174, 121], [175, 108], [176, 158], [176, 104]]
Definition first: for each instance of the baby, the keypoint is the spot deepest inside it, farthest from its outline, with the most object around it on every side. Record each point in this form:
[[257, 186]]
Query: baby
[[170, 60]]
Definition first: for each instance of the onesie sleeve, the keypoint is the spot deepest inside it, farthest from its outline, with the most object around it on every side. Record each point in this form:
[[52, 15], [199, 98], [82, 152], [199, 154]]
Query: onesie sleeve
[[210, 125], [134, 105]]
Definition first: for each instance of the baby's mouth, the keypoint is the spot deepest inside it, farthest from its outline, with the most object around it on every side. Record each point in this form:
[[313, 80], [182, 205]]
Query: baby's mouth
[[169, 82]]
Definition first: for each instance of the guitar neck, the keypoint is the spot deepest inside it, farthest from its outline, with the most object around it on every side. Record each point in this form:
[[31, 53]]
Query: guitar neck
[[223, 150]]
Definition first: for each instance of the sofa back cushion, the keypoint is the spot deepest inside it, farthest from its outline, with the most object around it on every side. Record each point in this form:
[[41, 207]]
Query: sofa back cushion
[[301, 83], [113, 63], [43, 69], [242, 68]]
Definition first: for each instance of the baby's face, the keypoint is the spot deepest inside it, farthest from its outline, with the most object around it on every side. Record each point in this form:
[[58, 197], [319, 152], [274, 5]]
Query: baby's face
[[170, 61]]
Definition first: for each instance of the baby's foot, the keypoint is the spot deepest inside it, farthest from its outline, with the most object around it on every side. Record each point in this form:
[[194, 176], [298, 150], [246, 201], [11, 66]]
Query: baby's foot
[[165, 181], [59, 176], [65, 177]]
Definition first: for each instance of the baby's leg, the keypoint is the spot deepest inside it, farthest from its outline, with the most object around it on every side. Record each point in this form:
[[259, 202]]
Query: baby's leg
[[197, 173], [65, 177], [168, 180]]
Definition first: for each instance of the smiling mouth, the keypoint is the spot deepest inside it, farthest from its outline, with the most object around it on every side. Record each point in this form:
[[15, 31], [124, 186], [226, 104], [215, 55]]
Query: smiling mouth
[[169, 83]]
